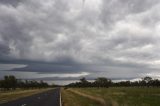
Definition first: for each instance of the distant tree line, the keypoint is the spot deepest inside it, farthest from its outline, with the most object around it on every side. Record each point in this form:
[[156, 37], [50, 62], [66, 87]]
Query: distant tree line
[[145, 82], [11, 83], [105, 82], [99, 82]]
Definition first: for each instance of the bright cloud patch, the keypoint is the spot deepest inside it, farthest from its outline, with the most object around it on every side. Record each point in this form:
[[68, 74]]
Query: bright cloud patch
[[72, 75]]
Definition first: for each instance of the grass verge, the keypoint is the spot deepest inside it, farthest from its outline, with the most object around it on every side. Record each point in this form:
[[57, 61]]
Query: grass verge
[[70, 98], [94, 98]]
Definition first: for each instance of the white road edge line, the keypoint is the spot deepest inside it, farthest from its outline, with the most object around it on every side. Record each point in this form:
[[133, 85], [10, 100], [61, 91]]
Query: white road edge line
[[23, 104], [60, 99]]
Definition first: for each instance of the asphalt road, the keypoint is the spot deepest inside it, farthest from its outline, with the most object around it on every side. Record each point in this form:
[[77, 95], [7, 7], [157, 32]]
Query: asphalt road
[[48, 98]]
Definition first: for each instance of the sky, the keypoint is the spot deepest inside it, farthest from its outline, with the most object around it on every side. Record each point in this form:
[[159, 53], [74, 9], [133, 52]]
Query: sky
[[69, 39]]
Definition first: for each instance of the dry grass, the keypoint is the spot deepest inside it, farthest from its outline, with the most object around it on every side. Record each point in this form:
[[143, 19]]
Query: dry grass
[[70, 98], [98, 99], [125, 96]]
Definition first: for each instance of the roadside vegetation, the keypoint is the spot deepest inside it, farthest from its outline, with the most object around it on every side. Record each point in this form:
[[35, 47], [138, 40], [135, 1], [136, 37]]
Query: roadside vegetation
[[105, 82], [125, 96], [72, 99], [12, 83], [145, 92], [12, 88]]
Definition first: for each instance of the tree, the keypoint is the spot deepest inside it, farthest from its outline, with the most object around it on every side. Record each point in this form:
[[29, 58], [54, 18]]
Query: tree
[[84, 82], [12, 82], [147, 80], [156, 83], [102, 82], [9, 82]]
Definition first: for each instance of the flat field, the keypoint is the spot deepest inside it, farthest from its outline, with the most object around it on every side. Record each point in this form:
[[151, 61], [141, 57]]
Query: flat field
[[120, 96]]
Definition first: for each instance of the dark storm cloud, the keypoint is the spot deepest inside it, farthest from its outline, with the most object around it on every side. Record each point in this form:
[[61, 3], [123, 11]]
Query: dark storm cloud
[[10, 2], [4, 50], [49, 68], [116, 38]]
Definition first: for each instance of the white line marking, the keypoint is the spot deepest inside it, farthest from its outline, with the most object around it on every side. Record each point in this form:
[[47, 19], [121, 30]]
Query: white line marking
[[23, 104], [60, 99]]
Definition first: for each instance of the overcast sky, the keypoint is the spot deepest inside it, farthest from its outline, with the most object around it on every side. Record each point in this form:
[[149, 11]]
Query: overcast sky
[[70, 39]]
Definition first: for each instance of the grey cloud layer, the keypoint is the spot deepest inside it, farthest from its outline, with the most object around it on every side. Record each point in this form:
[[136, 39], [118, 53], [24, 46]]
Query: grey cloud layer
[[115, 38]]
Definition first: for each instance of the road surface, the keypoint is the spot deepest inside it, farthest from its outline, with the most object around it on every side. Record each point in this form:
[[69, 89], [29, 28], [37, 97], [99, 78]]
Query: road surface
[[48, 98]]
